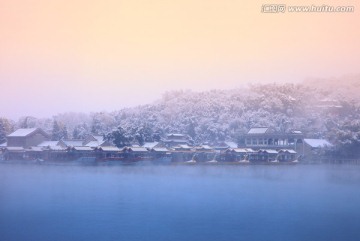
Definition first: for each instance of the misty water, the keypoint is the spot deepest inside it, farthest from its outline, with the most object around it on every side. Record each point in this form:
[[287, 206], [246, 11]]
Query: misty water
[[313, 202]]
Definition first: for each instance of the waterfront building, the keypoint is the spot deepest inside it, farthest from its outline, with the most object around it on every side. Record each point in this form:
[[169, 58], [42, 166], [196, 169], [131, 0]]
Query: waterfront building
[[96, 141], [160, 152], [80, 152], [260, 144], [153, 144], [314, 148], [71, 143], [287, 155], [176, 139], [13, 153], [26, 137], [266, 155], [108, 152], [238, 154], [224, 145], [49, 144], [266, 138]]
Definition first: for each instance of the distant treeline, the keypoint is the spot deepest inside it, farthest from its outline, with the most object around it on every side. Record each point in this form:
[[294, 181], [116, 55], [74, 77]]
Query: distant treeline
[[318, 110]]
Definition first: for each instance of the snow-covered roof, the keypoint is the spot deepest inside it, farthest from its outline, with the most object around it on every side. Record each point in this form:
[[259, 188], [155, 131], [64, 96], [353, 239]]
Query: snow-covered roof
[[150, 144], [176, 141], [23, 132], [240, 150], [48, 143], [296, 132], [56, 148], [109, 148], [317, 143], [177, 135], [202, 147], [231, 144], [160, 149], [73, 142], [14, 148], [137, 149], [82, 148], [94, 143], [36, 148], [3, 144], [288, 150], [183, 147], [206, 147], [99, 138], [270, 151], [258, 130]]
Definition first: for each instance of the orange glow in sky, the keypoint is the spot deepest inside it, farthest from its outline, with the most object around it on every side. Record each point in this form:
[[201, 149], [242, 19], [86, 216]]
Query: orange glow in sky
[[84, 55]]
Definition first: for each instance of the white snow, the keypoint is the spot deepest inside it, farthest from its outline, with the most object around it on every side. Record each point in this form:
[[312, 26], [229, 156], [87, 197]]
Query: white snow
[[48, 143], [22, 132], [316, 143], [258, 130]]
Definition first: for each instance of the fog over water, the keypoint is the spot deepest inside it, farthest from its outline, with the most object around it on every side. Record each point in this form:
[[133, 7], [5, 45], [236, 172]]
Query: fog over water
[[315, 202]]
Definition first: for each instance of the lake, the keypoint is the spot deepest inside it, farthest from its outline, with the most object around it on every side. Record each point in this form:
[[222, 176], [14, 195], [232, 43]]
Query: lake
[[257, 202]]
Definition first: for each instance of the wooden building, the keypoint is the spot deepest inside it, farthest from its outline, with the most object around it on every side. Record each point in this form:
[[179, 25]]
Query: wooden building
[[314, 149], [108, 153], [159, 152], [136, 153], [176, 139], [238, 154], [153, 144], [266, 138], [286, 155], [266, 155], [27, 137], [13, 153], [95, 141]]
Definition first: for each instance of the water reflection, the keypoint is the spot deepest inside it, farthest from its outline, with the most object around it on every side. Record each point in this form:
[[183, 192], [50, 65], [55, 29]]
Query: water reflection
[[179, 202]]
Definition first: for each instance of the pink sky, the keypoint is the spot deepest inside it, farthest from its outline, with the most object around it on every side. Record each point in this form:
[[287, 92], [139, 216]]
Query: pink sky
[[83, 55]]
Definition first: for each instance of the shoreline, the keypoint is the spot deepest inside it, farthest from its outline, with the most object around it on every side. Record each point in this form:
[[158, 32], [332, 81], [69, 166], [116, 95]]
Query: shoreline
[[157, 163]]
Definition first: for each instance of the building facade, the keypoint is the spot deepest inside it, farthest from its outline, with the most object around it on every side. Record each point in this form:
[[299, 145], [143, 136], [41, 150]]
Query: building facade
[[27, 137], [266, 138]]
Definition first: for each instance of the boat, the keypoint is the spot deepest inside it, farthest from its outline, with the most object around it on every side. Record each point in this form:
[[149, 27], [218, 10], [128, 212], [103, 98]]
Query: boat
[[274, 161], [192, 161], [244, 161], [39, 160], [212, 161]]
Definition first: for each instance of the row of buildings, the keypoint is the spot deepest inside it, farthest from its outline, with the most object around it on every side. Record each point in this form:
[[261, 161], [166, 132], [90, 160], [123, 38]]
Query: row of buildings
[[260, 144]]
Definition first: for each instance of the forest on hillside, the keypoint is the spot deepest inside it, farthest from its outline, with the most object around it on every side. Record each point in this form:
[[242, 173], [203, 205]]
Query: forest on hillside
[[319, 108]]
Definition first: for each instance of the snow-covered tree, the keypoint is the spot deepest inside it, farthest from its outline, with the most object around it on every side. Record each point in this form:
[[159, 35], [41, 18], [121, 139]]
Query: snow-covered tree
[[119, 137], [216, 115], [80, 131], [5, 128], [59, 131], [102, 123], [27, 122]]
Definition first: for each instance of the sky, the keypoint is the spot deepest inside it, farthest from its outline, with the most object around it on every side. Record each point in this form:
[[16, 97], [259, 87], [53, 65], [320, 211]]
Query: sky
[[83, 55]]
